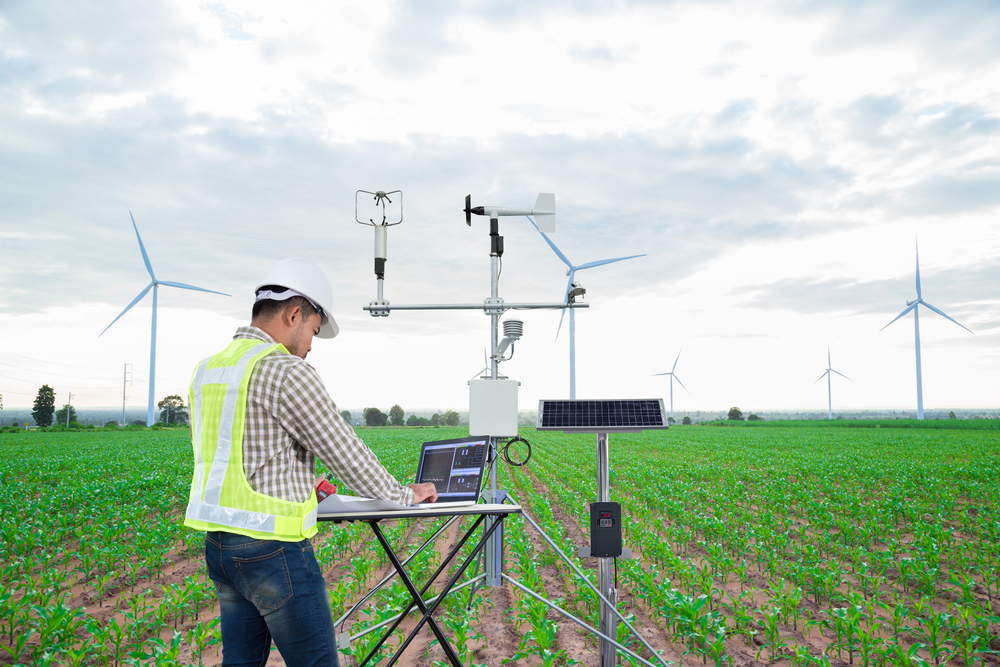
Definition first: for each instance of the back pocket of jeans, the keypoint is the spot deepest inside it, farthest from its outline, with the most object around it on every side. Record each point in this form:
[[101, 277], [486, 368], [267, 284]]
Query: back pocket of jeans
[[266, 578]]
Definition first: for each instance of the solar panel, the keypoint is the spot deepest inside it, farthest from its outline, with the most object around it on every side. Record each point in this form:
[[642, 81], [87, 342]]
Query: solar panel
[[601, 416]]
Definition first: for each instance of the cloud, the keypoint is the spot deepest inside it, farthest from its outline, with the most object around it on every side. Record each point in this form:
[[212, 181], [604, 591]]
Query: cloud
[[416, 39], [963, 33], [600, 54], [735, 112], [958, 291], [867, 118]]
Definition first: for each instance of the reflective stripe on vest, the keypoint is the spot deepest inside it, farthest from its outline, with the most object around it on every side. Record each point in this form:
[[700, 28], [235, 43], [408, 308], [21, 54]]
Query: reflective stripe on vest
[[224, 499]]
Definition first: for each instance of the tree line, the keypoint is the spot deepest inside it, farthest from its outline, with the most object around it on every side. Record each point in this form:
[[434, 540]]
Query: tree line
[[173, 412], [395, 417]]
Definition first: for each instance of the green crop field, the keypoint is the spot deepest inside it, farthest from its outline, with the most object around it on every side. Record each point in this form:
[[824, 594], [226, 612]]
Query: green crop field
[[784, 545]]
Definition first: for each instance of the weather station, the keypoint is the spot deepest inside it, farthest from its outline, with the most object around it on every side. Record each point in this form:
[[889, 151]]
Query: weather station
[[493, 403]]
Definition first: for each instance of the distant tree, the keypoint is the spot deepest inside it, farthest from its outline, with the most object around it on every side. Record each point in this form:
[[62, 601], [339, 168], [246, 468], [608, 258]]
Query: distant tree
[[686, 421], [61, 415], [451, 418], [111, 424], [396, 415], [139, 422], [346, 414], [435, 419], [1, 401], [172, 410], [375, 417], [753, 418], [951, 415], [735, 414], [671, 421], [45, 404], [413, 421]]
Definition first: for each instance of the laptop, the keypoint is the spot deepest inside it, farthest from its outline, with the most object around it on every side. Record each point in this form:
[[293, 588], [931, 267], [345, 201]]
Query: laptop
[[455, 467]]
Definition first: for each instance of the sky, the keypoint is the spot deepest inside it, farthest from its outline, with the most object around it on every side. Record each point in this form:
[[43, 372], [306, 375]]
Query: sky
[[776, 163]]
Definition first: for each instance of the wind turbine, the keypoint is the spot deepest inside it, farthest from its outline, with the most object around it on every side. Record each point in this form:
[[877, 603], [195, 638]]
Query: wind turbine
[[912, 305], [673, 376], [574, 290], [154, 285], [826, 374]]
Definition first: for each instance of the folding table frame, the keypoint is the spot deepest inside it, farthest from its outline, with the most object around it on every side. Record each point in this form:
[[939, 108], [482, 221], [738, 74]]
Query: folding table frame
[[498, 512]]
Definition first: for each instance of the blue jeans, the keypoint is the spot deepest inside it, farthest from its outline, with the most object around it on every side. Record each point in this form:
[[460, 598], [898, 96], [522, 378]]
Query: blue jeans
[[270, 590]]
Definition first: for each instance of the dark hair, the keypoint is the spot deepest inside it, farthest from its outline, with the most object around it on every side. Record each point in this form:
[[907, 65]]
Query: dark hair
[[268, 308]]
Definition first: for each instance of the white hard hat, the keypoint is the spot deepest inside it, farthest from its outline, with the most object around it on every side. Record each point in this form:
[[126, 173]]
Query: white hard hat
[[307, 279]]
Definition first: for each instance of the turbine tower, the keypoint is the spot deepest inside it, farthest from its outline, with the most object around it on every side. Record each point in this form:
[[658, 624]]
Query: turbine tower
[[912, 305], [572, 291], [826, 374], [154, 285], [673, 376]]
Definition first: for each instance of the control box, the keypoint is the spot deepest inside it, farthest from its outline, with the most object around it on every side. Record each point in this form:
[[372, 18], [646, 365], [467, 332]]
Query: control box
[[605, 530], [493, 407]]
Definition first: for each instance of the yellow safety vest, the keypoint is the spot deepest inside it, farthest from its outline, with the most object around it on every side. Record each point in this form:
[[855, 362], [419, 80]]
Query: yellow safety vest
[[221, 497]]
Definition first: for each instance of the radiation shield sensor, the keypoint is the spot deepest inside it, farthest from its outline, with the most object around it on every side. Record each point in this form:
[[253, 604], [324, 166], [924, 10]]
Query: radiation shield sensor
[[601, 416]]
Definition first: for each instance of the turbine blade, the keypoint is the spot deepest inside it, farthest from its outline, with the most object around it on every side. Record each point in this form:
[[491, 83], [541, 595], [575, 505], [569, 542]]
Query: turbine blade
[[602, 262], [183, 286], [560, 323], [828, 363], [842, 375], [905, 311], [942, 314], [918, 268], [134, 301], [675, 362], [142, 249], [552, 245], [681, 383], [821, 376], [658, 374]]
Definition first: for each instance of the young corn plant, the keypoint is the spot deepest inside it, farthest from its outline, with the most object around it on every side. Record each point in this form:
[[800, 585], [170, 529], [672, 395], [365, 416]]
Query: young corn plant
[[773, 641]]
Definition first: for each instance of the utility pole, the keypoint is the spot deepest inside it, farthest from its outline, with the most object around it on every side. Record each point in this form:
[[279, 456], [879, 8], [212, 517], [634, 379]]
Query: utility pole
[[68, 406], [125, 380]]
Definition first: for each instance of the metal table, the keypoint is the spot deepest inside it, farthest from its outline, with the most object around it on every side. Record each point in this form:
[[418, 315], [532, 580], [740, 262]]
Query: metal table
[[372, 518]]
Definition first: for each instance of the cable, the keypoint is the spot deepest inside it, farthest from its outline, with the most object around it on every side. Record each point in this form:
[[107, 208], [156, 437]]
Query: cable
[[87, 368], [500, 270], [65, 375], [505, 451]]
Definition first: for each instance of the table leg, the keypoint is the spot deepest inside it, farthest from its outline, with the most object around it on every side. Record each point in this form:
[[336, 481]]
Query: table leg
[[444, 592], [418, 597], [409, 607]]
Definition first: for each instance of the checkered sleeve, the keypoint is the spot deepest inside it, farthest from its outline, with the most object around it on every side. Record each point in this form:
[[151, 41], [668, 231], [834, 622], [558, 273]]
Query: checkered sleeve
[[308, 411]]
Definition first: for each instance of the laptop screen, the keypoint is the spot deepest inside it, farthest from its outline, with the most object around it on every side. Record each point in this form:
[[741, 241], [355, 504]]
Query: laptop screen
[[455, 467]]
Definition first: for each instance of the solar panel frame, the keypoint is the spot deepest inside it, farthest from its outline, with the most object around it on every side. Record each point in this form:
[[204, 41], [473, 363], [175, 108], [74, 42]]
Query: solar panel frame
[[601, 415]]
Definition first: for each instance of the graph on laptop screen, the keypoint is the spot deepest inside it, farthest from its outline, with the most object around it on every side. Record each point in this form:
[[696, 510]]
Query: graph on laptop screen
[[454, 468]]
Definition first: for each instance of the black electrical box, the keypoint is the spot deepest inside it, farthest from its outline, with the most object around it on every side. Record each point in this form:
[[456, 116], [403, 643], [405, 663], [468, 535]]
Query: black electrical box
[[605, 530]]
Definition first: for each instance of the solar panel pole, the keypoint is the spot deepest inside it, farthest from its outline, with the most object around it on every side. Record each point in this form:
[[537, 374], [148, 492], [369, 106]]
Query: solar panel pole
[[608, 620]]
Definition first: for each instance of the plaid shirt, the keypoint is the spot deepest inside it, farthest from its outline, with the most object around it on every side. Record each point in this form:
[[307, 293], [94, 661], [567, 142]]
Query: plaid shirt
[[291, 420]]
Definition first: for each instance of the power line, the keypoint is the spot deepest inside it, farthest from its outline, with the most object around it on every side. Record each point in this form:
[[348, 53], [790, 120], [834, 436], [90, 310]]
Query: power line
[[86, 368], [64, 383], [32, 370]]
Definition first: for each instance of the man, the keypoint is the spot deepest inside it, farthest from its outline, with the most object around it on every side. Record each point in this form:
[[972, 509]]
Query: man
[[260, 416]]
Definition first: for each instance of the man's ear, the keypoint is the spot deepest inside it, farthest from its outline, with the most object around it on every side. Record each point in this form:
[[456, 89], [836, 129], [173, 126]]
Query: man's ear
[[291, 317]]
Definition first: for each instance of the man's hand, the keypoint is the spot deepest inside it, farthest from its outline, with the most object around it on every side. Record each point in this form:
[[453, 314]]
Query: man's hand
[[425, 492]]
